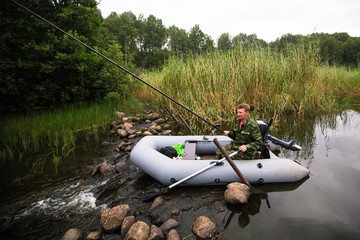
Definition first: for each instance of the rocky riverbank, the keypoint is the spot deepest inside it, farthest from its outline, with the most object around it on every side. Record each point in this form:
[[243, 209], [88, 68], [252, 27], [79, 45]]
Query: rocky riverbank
[[121, 221]]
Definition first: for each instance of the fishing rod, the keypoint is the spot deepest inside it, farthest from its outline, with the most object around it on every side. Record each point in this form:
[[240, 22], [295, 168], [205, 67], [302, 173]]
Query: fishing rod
[[116, 64]]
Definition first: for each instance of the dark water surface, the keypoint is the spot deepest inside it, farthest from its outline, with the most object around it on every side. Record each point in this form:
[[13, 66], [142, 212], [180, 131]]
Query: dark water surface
[[324, 206]]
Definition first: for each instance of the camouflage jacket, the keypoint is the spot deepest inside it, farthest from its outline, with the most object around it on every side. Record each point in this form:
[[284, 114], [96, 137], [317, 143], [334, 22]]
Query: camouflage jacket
[[248, 135]]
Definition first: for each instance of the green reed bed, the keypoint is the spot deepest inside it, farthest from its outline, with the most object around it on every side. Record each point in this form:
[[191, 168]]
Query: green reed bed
[[273, 82], [59, 130]]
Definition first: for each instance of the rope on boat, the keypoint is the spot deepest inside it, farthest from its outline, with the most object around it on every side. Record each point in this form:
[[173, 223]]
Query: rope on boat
[[116, 64]]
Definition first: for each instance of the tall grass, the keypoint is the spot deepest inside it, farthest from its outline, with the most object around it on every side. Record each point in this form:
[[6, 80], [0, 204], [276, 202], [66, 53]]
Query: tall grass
[[60, 130], [274, 83]]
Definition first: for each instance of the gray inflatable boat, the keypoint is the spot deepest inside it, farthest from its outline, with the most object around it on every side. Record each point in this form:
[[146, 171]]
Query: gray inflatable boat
[[146, 156]]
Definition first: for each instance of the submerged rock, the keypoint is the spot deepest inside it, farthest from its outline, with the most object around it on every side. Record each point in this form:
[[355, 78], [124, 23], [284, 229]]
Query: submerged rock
[[169, 224], [121, 167], [203, 227], [103, 169], [237, 193], [112, 219], [73, 234]]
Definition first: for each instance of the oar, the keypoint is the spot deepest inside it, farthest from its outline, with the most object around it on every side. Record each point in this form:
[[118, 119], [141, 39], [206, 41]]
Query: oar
[[187, 178], [236, 169]]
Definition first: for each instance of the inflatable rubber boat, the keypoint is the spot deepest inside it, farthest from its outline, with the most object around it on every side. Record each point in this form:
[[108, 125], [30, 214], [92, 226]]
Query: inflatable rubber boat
[[268, 168]]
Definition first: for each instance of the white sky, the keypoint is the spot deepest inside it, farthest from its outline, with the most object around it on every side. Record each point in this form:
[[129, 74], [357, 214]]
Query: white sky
[[268, 19]]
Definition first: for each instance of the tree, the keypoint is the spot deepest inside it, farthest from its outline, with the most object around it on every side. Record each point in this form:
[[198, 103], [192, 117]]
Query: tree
[[178, 40], [224, 42], [152, 39], [199, 41], [124, 28], [40, 66]]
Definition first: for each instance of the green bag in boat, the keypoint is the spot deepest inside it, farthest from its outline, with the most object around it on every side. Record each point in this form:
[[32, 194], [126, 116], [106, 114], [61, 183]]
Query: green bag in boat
[[179, 148]]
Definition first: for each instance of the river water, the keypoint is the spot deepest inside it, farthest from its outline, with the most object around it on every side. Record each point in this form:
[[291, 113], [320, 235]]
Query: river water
[[323, 206]]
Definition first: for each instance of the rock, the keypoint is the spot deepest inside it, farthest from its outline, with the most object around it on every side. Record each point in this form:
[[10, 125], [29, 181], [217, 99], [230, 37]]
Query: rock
[[132, 136], [173, 235], [94, 235], [121, 167], [167, 126], [128, 149], [147, 121], [159, 211], [152, 116], [176, 212], [143, 129], [73, 234], [166, 132], [156, 127], [237, 193], [203, 227], [105, 143], [169, 224], [156, 233], [112, 219], [138, 133], [120, 115], [159, 200], [153, 131], [147, 133], [139, 231], [122, 133], [128, 125], [131, 131], [127, 223], [160, 121], [103, 169]]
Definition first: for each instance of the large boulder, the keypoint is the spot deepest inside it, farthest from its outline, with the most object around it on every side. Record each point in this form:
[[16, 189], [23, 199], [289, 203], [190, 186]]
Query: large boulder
[[203, 227], [237, 193], [73, 234], [112, 219], [139, 231]]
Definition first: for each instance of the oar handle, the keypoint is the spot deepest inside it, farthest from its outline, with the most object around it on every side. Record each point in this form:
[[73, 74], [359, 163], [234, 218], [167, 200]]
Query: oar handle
[[231, 162], [186, 178]]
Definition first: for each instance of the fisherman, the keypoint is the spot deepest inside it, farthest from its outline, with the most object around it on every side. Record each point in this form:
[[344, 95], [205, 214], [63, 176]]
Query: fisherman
[[246, 135]]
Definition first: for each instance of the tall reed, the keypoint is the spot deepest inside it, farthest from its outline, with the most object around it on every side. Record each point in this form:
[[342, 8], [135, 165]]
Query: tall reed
[[273, 82], [59, 130]]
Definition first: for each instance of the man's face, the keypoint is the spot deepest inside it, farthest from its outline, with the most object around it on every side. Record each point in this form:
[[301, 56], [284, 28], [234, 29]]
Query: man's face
[[242, 114]]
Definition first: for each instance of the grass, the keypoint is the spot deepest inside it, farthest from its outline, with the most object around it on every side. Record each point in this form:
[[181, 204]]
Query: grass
[[60, 130], [274, 83]]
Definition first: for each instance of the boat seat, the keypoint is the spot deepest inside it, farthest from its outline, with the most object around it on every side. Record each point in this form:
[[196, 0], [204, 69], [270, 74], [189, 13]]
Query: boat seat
[[189, 151]]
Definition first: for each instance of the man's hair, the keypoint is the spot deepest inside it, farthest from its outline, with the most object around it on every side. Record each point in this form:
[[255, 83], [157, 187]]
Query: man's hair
[[244, 106]]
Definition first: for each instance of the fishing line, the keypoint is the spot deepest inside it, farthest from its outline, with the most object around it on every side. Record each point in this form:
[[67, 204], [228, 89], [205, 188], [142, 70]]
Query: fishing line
[[119, 66]]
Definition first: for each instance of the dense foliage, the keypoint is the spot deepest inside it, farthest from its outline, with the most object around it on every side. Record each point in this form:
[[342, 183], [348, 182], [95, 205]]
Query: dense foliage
[[40, 67]]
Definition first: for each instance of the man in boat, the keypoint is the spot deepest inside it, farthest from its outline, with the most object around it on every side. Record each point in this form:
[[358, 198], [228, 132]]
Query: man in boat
[[246, 135]]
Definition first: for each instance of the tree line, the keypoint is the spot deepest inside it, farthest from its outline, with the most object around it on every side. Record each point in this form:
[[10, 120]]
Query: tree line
[[41, 68]]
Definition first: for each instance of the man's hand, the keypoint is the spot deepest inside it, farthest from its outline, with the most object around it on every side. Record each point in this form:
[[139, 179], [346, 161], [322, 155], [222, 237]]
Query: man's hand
[[242, 148], [226, 133]]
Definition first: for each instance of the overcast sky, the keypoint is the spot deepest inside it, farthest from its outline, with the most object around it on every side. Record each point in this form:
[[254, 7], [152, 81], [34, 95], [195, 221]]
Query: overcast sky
[[268, 19]]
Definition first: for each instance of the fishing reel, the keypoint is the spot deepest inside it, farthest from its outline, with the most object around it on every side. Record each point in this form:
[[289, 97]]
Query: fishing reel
[[217, 125]]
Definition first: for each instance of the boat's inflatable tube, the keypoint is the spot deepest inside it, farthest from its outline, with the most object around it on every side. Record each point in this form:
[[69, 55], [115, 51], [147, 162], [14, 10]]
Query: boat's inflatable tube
[[147, 157]]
